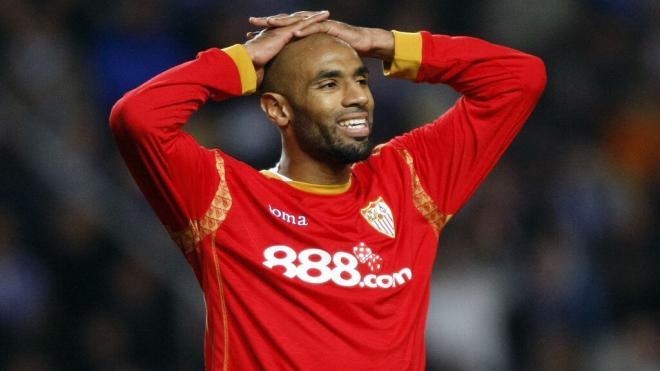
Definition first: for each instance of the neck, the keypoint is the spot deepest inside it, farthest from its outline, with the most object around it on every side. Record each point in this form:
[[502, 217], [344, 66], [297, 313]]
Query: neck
[[309, 170]]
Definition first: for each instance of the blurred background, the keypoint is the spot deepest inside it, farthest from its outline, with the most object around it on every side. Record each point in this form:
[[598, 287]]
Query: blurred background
[[553, 265]]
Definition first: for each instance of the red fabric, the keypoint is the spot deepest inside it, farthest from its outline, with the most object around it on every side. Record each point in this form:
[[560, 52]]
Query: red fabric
[[369, 312], [500, 88]]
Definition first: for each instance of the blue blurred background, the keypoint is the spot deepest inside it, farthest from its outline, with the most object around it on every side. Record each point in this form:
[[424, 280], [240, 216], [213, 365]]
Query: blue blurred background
[[553, 265]]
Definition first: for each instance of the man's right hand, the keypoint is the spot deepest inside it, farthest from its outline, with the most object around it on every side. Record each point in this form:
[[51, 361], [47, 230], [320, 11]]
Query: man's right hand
[[266, 44]]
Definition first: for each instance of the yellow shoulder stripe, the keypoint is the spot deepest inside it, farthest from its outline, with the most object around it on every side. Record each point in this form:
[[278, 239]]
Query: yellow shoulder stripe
[[245, 67]]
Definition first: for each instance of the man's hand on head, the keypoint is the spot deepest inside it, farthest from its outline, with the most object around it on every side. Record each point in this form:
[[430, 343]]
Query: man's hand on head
[[279, 30], [368, 42]]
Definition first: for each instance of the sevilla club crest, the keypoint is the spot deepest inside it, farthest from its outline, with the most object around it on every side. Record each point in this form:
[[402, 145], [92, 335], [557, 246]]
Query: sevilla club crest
[[379, 216]]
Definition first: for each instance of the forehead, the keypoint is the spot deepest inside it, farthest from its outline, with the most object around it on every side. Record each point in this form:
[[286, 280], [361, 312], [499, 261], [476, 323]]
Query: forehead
[[327, 54]]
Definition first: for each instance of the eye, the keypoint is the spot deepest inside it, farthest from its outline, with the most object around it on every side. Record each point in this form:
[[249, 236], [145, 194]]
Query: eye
[[363, 81], [328, 85]]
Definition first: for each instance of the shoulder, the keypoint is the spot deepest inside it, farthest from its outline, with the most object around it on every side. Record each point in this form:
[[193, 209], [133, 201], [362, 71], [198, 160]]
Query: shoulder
[[232, 166], [386, 160]]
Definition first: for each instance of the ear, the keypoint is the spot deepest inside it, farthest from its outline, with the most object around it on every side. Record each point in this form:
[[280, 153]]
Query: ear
[[277, 108]]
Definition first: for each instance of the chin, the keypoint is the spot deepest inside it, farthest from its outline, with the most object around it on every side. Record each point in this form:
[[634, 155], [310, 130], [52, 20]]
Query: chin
[[353, 153]]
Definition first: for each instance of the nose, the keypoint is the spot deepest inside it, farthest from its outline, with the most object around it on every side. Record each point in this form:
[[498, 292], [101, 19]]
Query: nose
[[355, 95]]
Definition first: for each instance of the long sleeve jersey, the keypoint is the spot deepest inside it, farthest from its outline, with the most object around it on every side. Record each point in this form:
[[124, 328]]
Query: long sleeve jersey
[[300, 276]]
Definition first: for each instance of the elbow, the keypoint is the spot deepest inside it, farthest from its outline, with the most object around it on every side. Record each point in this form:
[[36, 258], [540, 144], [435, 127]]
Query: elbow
[[534, 77], [127, 118], [116, 116]]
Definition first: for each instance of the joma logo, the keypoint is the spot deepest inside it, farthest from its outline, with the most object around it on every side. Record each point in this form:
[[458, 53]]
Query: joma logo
[[300, 220]]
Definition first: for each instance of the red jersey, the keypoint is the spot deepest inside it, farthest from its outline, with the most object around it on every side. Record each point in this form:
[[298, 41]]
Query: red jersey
[[306, 277]]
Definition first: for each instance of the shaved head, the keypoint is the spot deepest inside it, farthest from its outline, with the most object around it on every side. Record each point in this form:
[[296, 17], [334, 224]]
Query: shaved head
[[287, 72]]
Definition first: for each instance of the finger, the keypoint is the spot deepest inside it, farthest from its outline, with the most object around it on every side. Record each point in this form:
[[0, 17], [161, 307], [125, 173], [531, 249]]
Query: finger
[[319, 27], [307, 13], [271, 16], [316, 18], [283, 21], [293, 18], [263, 21], [253, 34]]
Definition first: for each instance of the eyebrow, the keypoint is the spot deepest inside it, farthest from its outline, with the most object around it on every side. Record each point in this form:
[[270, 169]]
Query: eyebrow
[[328, 74]]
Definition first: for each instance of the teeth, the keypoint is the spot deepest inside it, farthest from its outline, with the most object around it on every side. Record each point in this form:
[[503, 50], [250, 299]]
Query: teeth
[[353, 123]]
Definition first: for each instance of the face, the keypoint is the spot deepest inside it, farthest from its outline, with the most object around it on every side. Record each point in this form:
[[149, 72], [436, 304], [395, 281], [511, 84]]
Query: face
[[333, 106]]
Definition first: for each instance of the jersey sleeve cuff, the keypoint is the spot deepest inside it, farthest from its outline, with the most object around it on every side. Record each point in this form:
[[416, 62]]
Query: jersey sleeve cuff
[[243, 62], [407, 56]]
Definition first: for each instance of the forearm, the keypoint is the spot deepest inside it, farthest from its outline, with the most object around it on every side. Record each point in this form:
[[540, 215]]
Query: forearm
[[163, 104], [476, 68]]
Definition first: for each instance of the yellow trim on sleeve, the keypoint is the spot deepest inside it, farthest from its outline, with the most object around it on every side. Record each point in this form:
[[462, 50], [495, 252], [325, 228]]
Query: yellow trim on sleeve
[[245, 67], [407, 56]]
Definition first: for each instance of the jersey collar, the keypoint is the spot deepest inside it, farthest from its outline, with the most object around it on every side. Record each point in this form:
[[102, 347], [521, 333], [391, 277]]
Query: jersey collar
[[322, 189]]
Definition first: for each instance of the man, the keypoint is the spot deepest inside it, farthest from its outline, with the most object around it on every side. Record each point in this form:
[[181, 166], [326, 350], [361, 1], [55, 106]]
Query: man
[[323, 262]]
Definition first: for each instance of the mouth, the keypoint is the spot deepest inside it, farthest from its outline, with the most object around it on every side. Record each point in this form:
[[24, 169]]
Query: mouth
[[355, 126]]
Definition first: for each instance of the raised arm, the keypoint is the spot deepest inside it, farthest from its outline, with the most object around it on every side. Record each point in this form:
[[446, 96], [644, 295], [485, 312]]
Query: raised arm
[[500, 87], [177, 175]]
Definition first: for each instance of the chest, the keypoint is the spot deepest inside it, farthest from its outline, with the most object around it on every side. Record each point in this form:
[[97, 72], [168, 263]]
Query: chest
[[369, 238]]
